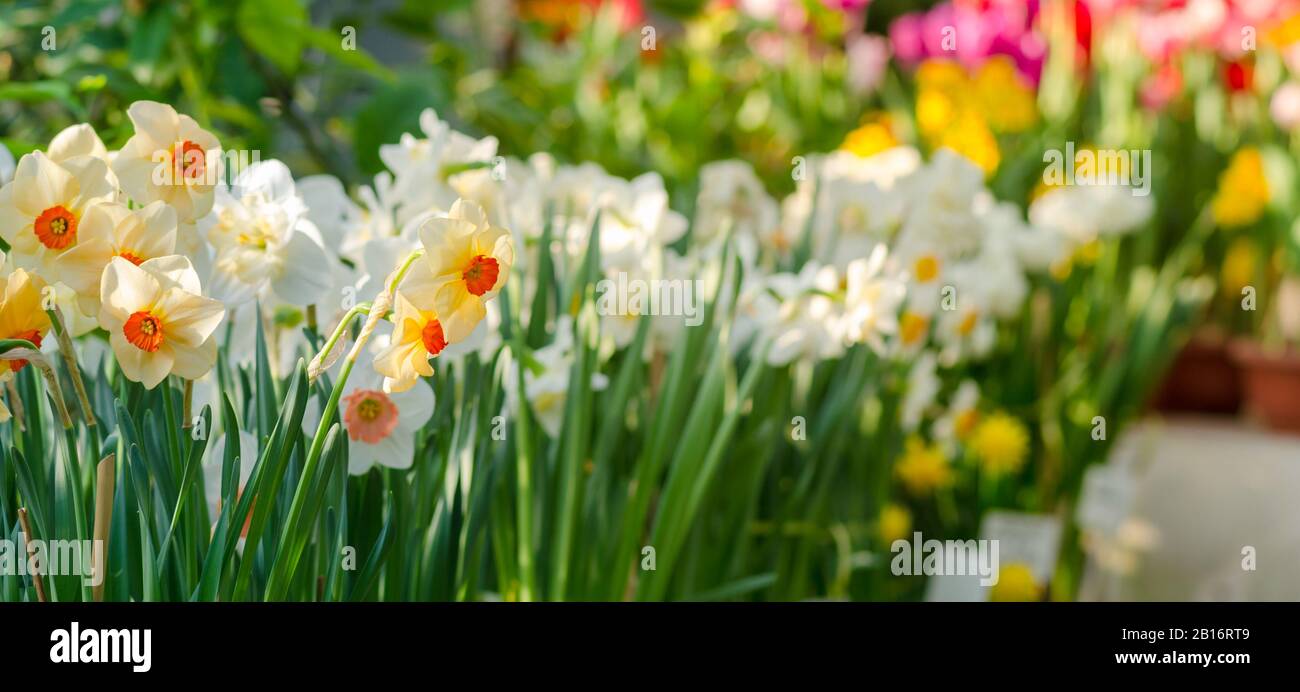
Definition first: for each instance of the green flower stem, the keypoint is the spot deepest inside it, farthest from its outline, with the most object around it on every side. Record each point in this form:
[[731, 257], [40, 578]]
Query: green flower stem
[[70, 360], [286, 561], [320, 359], [72, 467]]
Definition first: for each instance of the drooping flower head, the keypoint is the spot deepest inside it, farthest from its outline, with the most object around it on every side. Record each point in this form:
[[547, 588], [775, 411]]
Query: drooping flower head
[[381, 425], [418, 336]]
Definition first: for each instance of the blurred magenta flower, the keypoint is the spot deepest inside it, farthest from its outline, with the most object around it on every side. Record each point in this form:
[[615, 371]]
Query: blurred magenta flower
[[846, 5], [971, 31]]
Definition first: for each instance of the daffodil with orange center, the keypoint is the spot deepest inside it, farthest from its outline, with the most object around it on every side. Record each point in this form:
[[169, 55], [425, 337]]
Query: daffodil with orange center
[[135, 236], [169, 158], [22, 315], [418, 336], [157, 319], [46, 208], [470, 261]]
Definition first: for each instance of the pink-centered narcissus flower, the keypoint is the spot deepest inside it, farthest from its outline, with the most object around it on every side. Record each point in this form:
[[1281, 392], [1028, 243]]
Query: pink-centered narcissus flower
[[170, 158], [44, 209], [470, 260], [380, 425], [157, 319]]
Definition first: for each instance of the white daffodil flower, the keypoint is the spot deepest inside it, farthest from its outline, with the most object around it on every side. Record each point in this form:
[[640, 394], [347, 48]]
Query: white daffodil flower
[[264, 244]]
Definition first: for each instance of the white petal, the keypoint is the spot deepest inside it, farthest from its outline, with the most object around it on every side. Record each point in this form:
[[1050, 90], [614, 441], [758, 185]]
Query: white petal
[[305, 275]]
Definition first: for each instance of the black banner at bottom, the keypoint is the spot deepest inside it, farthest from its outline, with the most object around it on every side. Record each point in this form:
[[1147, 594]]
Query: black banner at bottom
[[321, 640]]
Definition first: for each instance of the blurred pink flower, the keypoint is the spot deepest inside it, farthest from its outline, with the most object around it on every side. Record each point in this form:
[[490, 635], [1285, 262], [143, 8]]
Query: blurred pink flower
[[1166, 28], [1161, 87], [846, 5], [1285, 106], [868, 58], [970, 31]]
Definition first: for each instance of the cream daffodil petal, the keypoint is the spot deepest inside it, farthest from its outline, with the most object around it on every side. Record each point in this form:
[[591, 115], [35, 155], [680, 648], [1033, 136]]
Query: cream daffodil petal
[[40, 183], [174, 270], [139, 365], [458, 311], [94, 183], [153, 118], [77, 140], [189, 319], [124, 289], [193, 362]]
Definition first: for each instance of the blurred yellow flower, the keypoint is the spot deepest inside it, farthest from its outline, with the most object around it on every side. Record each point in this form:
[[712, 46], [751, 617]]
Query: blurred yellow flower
[[1016, 583], [941, 75], [872, 137], [1088, 253], [972, 138], [895, 522], [1062, 268], [1285, 33], [1238, 265], [1000, 442], [936, 111], [1243, 190], [1006, 101], [962, 113], [923, 467]]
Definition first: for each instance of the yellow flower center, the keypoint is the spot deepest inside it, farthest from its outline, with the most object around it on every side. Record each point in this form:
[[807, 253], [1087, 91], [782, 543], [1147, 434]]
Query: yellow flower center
[[369, 409], [913, 327], [968, 323], [926, 268]]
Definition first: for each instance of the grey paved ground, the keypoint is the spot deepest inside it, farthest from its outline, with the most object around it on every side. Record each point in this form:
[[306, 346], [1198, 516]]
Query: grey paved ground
[[1207, 490]]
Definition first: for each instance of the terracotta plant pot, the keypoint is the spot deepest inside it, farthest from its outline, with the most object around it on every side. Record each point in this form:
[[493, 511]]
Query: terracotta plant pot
[[1271, 384], [1203, 378]]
